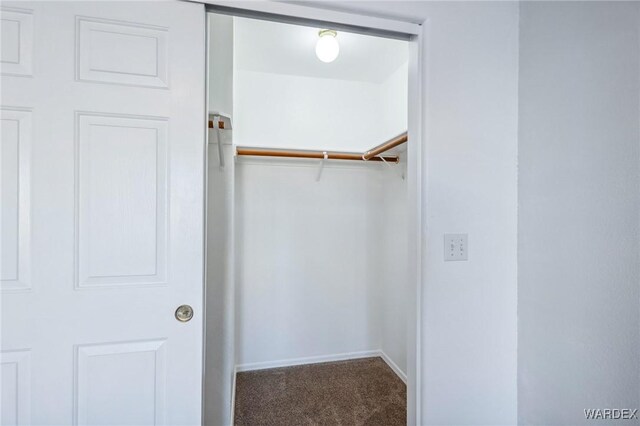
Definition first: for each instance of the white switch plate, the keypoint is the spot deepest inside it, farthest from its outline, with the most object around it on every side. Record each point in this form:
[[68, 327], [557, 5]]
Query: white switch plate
[[455, 247]]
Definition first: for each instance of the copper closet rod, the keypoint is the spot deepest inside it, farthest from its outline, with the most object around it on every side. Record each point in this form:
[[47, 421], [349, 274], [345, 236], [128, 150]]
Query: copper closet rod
[[384, 147], [371, 155]]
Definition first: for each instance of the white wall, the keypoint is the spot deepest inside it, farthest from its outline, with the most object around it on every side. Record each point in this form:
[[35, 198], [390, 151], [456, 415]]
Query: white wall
[[307, 274], [288, 111], [470, 157], [579, 190]]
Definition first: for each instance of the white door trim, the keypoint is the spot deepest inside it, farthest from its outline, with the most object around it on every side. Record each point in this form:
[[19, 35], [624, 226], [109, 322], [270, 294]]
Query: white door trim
[[416, 230], [295, 12], [416, 36]]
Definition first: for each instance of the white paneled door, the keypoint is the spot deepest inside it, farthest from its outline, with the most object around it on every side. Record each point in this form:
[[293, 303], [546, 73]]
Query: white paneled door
[[102, 165]]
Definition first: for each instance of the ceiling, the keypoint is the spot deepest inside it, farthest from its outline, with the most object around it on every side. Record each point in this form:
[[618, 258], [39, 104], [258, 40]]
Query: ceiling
[[279, 48]]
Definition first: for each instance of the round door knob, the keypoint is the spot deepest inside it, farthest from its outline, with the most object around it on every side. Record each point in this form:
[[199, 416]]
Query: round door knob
[[184, 313]]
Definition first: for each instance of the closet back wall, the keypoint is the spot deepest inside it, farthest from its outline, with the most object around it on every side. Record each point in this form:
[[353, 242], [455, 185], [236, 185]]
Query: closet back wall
[[321, 265], [306, 113], [306, 282]]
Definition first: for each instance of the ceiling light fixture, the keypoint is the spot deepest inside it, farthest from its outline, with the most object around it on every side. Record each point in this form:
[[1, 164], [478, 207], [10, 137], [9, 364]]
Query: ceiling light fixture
[[327, 47]]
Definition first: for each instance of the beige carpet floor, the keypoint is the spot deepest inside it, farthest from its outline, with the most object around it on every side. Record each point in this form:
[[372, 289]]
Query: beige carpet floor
[[356, 392]]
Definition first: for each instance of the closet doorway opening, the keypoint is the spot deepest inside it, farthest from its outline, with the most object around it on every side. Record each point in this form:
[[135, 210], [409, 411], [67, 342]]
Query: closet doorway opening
[[309, 283]]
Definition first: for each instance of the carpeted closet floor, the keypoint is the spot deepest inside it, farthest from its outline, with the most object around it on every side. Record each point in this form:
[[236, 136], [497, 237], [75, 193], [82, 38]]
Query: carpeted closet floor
[[356, 392]]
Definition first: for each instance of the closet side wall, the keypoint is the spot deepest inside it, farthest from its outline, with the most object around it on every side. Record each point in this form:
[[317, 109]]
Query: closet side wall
[[219, 356], [219, 327], [393, 278], [394, 104], [221, 77], [394, 286]]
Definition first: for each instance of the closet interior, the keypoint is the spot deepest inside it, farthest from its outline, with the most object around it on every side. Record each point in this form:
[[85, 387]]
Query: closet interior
[[306, 218]]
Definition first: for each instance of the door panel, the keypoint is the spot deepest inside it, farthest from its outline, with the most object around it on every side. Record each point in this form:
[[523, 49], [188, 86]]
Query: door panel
[[15, 387], [121, 173], [16, 55], [140, 59], [15, 157], [122, 383], [102, 157]]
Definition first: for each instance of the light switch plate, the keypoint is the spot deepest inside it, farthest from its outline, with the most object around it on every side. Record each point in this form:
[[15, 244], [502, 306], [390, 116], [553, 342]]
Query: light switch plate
[[455, 247]]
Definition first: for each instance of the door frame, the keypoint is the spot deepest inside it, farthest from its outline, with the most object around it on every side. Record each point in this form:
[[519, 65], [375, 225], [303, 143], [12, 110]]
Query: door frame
[[416, 35]]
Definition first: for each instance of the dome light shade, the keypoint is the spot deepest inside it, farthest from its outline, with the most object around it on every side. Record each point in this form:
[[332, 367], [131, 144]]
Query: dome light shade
[[327, 47]]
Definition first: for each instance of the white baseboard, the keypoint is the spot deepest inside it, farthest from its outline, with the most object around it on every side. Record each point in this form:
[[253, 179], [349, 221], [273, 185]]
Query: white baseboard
[[394, 367], [306, 360], [318, 359]]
